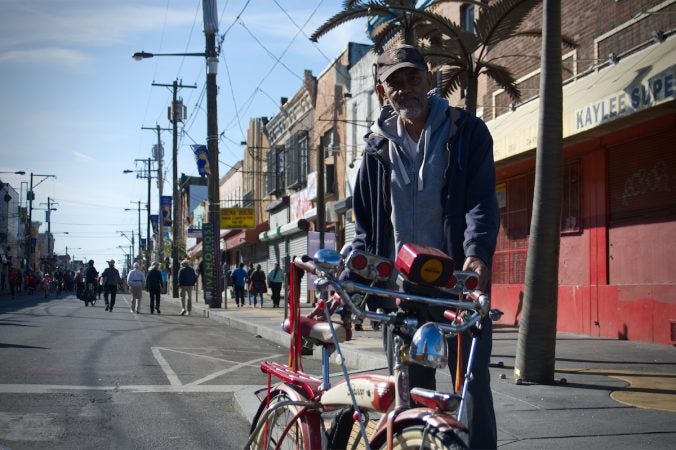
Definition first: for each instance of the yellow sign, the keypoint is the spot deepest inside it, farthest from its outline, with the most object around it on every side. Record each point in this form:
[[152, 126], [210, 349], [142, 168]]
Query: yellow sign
[[236, 218]]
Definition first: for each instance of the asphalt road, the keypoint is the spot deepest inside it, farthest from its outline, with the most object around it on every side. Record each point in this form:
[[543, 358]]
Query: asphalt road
[[80, 377]]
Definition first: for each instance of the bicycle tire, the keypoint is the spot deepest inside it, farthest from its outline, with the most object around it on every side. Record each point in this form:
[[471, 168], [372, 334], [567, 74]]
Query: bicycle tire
[[410, 436], [297, 436]]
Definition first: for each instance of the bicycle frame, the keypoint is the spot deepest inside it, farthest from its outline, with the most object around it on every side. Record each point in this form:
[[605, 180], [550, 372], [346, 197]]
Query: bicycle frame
[[389, 395]]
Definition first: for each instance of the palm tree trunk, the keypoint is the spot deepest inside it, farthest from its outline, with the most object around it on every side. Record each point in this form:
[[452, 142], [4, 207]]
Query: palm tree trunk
[[536, 346], [472, 92]]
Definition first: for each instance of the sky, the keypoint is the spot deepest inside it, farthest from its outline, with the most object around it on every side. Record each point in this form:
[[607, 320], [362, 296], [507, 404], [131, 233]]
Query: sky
[[74, 101]]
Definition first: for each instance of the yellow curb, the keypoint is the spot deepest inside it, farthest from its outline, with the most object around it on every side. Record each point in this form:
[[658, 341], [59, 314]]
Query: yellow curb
[[647, 390]]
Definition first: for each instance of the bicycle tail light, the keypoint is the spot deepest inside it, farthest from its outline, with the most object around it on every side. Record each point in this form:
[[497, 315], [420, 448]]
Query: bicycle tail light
[[429, 347], [369, 266], [425, 265], [384, 269]]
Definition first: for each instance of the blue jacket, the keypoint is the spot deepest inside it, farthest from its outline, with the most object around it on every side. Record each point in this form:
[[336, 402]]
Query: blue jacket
[[471, 215]]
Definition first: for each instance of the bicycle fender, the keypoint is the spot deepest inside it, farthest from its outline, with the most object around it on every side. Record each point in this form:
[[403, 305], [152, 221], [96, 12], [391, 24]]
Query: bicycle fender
[[312, 417], [372, 393], [441, 421]]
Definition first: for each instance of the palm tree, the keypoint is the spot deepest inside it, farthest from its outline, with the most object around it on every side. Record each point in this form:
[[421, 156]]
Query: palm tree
[[460, 55], [536, 346]]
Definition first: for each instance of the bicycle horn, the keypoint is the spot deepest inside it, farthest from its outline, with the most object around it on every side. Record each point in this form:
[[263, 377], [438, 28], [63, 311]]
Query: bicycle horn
[[429, 347]]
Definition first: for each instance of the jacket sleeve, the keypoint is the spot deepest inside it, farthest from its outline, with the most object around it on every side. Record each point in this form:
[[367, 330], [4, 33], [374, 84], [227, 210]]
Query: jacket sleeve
[[482, 213]]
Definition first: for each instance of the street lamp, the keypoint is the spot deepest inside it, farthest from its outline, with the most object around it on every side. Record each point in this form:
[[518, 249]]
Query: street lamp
[[31, 196], [212, 255], [20, 172], [131, 247]]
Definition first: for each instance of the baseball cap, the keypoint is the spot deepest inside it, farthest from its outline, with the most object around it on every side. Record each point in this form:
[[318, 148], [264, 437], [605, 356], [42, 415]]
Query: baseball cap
[[397, 58]]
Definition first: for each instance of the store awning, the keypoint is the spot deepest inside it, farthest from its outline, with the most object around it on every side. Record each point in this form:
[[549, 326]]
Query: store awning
[[285, 230], [244, 237]]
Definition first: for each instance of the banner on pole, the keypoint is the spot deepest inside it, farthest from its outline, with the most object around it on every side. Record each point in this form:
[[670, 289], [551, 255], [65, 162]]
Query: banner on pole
[[154, 223], [202, 159], [165, 205]]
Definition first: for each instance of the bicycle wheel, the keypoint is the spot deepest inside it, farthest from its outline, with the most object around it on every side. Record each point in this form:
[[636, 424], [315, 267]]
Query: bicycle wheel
[[282, 430], [414, 436]]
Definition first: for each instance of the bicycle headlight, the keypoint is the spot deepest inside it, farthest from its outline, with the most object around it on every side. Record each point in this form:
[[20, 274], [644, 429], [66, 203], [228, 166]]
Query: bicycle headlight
[[429, 347]]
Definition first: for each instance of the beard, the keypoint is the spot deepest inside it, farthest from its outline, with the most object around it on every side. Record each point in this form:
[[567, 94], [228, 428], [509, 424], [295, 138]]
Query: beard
[[410, 109]]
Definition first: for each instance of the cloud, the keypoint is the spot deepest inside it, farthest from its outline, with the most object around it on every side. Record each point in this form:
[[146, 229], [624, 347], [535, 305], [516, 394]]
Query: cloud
[[84, 23], [47, 55], [82, 157]]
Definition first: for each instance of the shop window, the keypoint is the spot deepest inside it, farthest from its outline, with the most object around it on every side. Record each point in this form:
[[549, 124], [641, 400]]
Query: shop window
[[515, 198]]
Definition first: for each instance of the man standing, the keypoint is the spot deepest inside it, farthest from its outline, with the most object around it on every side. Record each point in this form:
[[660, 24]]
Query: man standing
[[91, 276], [428, 177], [154, 286], [247, 283], [186, 282], [136, 279], [275, 280], [238, 282], [111, 279]]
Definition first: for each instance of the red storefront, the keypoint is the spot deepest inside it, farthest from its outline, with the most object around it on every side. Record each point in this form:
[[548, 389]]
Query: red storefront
[[618, 221]]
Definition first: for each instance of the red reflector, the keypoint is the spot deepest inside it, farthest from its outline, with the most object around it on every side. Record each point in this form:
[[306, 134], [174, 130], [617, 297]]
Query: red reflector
[[471, 283], [384, 269], [359, 262]]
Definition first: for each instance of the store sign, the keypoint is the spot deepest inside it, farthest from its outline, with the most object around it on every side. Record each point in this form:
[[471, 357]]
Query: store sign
[[629, 100], [208, 257], [237, 218]]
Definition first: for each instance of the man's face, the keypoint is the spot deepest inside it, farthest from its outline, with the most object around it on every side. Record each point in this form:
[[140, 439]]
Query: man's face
[[406, 89]]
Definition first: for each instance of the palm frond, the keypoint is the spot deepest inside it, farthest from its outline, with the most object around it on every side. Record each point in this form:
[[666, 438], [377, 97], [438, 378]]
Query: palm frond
[[383, 36], [503, 78], [367, 9], [502, 19], [451, 79]]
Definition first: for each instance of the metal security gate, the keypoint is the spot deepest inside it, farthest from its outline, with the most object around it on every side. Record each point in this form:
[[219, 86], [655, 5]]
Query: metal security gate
[[349, 231], [298, 247]]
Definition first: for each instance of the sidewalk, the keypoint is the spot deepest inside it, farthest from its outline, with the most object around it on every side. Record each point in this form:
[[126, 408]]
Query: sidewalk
[[616, 394]]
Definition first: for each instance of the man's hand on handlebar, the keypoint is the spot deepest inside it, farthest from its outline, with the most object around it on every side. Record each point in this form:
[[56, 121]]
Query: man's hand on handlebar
[[474, 264]]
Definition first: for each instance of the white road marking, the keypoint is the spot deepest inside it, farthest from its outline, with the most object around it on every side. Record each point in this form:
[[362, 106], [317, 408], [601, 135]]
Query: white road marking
[[231, 369], [168, 371], [140, 388]]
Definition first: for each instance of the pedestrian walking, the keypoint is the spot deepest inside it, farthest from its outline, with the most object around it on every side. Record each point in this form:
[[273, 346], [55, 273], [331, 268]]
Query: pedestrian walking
[[186, 282], [258, 285], [275, 280], [110, 278], [238, 283], [136, 280], [154, 287], [249, 287]]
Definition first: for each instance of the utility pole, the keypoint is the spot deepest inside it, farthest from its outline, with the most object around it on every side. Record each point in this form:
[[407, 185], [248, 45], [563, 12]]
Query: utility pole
[[158, 154], [29, 238], [212, 256], [321, 208], [175, 116]]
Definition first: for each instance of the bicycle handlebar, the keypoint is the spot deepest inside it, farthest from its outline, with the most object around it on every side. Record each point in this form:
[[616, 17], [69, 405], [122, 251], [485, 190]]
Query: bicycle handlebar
[[480, 304]]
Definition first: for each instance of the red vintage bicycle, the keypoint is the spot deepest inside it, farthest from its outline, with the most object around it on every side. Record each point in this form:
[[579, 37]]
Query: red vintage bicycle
[[304, 411]]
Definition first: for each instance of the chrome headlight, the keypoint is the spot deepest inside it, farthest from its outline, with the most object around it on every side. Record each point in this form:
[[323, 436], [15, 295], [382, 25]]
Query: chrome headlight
[[429, 347]]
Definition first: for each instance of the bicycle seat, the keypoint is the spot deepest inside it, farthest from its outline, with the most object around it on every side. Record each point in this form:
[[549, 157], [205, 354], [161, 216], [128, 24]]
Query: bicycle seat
[[316, 330]]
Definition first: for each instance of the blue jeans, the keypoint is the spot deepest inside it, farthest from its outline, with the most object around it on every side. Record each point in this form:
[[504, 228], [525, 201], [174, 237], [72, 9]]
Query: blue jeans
[[483, 430]]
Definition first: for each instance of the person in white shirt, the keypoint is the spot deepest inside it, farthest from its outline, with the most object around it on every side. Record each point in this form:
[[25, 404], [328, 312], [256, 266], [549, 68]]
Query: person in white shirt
[[136, 280]]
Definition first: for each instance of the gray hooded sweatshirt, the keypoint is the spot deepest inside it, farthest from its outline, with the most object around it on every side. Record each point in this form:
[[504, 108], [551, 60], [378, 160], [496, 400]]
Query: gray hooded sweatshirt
[[417, 185]]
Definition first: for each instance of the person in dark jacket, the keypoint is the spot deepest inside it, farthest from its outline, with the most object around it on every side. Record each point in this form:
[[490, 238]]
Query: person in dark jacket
[[428, 177], [258, 284], [110, 278], [154, 286], [186, 282]]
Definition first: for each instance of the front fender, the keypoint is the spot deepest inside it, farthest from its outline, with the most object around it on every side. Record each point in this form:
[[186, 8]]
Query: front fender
[[311, 417], [442, 421]]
